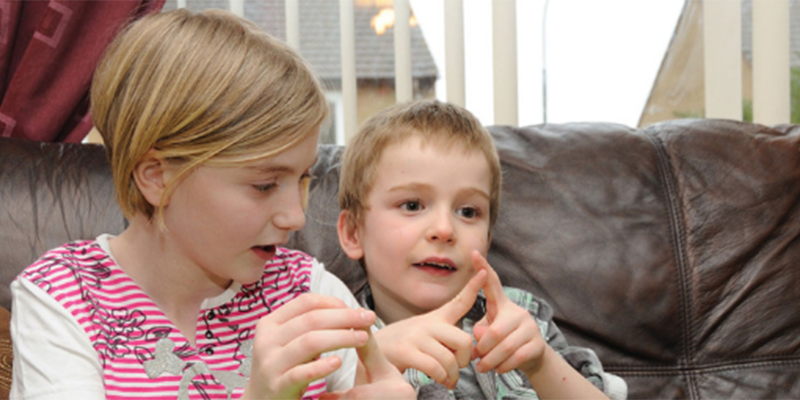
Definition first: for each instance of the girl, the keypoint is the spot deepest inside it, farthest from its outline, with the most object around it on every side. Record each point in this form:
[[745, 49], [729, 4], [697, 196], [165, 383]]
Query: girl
[[210, 127]]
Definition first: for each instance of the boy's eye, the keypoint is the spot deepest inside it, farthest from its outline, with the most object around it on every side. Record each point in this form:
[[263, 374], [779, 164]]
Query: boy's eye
[[468, 212], [412, 205]]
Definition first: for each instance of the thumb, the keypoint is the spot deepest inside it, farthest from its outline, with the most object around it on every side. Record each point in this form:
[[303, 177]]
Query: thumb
[[454, 310], [373, 365]]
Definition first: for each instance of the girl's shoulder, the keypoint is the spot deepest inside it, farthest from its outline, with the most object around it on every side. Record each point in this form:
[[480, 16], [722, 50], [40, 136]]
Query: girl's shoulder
[[292, 259], [73, 257], [290, 268]]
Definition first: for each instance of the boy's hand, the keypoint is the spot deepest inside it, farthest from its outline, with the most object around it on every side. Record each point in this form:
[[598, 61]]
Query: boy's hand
[[431, 343], [508, 337], [289, 341], [376, 377]]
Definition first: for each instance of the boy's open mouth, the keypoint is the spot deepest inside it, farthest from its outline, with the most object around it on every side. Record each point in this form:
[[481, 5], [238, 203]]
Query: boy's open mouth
[[436, 265]]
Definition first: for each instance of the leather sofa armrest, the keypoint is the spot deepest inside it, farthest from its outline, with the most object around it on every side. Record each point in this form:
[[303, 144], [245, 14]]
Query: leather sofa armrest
[[6, 354]]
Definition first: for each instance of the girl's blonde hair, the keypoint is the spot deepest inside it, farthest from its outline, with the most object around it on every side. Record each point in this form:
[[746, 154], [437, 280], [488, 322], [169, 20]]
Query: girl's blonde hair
[[199, 88], [434, 122]]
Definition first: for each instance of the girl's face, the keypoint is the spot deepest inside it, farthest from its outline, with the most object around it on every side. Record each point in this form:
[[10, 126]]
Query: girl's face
[[228, 220]]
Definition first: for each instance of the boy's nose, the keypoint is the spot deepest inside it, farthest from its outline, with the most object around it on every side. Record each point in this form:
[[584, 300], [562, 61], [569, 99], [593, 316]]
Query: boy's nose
[[441, 228]]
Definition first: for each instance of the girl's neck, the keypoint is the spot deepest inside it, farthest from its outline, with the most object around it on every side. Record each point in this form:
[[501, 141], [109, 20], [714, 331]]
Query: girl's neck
[[176, 285]]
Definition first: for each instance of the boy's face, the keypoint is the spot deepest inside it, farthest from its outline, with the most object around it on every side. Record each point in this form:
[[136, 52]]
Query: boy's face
[[427, 211]]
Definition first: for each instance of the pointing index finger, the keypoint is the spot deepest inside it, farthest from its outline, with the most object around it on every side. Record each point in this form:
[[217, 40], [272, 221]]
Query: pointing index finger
[[493, 290], [454, 309]]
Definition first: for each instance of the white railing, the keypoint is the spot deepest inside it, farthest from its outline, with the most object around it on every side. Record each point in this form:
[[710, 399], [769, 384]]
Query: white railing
[[722, 32], [404, 88], [504, 56], [454, 51], [504, 61], [722, 57], [771, 72], [722, 54]]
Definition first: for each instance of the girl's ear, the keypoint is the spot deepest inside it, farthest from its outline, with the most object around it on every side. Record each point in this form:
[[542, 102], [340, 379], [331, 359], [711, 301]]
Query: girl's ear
[[349, 236], [150, 177]]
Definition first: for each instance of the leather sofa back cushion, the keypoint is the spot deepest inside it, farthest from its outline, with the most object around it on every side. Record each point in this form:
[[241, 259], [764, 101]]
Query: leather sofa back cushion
[[50, 194], [671, 250]]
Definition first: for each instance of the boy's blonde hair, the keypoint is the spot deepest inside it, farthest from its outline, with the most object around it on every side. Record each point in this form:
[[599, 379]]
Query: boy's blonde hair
[[434, 122], [199, 88]]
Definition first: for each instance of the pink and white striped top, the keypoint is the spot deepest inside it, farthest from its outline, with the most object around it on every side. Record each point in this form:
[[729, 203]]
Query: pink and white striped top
[[142, 353]]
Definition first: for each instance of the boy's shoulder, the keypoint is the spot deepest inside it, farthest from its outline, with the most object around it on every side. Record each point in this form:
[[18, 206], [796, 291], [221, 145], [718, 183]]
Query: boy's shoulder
[[518, 295], [527, 300]]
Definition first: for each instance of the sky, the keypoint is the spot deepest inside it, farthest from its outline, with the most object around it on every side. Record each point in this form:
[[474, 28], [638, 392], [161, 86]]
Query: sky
[[602, 56]]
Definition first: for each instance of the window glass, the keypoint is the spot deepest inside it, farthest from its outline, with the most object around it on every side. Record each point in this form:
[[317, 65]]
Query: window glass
[[320, 45]]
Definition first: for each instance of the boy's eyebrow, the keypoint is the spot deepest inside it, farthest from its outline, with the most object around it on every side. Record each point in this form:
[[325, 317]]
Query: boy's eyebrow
[[480, 193], [422, 186], [410, 186]]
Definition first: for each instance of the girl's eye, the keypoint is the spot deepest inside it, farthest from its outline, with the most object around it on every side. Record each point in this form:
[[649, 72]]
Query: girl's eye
[[468, 212], [411, 205], [266, 187]]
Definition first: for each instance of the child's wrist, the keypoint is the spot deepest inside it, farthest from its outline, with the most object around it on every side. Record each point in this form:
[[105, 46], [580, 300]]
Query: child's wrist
[[535, 366]]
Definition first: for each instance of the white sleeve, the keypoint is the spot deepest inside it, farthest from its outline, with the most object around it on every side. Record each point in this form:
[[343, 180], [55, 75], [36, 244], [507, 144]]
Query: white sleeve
[[53, 357], [324, 282]]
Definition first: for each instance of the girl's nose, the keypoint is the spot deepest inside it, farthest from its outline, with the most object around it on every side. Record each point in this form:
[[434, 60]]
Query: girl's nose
[[291, 215]]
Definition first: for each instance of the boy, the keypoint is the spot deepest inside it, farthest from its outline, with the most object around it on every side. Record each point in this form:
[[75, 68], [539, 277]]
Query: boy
[[419, 193]]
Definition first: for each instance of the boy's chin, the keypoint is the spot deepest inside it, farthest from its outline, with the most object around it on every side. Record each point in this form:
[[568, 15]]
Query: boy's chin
[[429, 303]]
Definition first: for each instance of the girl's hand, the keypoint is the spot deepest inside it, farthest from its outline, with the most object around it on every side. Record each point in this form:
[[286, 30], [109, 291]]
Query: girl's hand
[[432, 343], [376, 377], [288, 343], [508, 336]]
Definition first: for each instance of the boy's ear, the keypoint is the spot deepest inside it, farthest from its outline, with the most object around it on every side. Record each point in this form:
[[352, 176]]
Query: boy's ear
[[349, 236], [150, 177]]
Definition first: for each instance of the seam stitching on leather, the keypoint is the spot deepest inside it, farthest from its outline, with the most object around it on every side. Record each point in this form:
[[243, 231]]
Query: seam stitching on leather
[[678, 237], [698, 369]]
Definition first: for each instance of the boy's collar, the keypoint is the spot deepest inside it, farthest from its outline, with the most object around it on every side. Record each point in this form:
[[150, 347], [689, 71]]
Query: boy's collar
[[475, 313]]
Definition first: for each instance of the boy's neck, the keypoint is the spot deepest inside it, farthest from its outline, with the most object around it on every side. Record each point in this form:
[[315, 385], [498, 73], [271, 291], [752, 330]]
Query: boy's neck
[[389, 308]]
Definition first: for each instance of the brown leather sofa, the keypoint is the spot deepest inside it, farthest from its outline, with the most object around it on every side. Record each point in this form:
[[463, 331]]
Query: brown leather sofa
[[673, 251]]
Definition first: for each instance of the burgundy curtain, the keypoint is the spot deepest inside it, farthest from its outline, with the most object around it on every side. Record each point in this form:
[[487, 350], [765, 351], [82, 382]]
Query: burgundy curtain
[[48, 52]]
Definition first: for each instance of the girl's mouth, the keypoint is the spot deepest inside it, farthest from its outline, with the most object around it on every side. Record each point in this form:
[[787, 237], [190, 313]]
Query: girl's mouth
[[265, 253]]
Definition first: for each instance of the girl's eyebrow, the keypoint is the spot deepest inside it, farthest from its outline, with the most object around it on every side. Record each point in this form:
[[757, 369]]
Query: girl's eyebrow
[[268, 169]]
